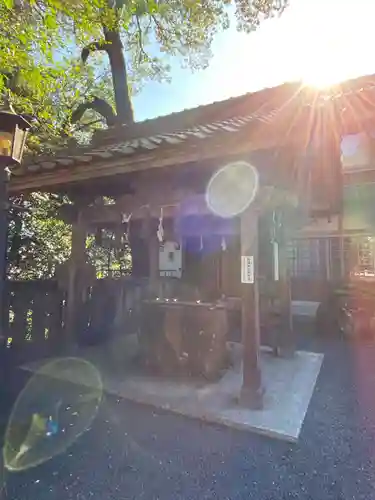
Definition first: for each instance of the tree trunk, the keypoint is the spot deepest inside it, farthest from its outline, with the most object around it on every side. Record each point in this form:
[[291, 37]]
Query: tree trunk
[[119, 77]]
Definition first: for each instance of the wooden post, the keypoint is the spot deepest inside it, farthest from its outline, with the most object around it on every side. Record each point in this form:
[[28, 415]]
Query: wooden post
[[153, 252], [287, 347], [3, 249], [77, 261], [343, 270], [252, 391], [154, 258]]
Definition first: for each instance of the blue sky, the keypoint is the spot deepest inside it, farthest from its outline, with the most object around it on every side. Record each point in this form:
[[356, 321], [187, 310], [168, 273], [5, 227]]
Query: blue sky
[[318, 41]]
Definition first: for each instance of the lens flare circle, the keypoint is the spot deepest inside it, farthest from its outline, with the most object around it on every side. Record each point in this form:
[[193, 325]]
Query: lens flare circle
[[232, 189], [56, 406]]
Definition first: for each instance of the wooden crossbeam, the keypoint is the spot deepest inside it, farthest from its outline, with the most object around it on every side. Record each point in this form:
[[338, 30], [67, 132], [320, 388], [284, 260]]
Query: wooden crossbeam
[[238, 143]]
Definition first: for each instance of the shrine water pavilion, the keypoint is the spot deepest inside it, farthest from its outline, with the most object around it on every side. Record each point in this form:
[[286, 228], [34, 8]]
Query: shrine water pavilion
[[201, 271]]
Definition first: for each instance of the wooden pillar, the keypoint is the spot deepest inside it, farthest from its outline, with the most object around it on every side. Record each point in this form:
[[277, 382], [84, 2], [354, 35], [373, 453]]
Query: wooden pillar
[[343, 270], [153, 252], [76, 262], [252, 391], [3, 249], [287, 345], [154, 258]]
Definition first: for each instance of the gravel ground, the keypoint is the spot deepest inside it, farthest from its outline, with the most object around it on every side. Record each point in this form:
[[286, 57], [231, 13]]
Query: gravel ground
[[134, 452]]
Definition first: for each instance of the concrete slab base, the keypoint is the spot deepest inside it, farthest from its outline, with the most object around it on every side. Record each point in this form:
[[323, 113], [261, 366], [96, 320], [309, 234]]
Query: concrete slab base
[[288, 384]]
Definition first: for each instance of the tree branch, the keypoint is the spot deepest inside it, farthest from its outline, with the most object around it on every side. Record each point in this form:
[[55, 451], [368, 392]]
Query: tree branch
[[140, 43], [158, 25], [94, 46]]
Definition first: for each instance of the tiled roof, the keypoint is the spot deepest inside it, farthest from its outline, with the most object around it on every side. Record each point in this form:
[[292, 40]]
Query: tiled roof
[[132, 146], [223, 118]]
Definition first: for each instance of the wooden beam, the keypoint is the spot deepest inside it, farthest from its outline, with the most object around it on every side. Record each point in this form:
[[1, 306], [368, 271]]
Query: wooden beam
[[252, 392], [238, 143], [142, 203], [139, 206]]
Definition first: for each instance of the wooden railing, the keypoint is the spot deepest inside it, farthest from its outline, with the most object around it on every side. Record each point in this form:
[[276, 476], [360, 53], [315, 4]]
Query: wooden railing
[[33, 318], [34, 315]]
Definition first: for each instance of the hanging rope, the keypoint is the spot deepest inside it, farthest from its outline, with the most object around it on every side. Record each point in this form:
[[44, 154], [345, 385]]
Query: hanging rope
[[160, 230], [125, 220], [223, 244]]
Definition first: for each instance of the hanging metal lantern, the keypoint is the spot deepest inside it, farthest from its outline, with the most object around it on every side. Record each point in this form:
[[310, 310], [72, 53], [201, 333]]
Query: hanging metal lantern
[[13, 133]]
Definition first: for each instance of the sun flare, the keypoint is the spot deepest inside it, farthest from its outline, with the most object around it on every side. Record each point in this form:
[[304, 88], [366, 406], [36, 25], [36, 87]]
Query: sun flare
[[322, 76], [326, 65], [326, 61], [331, 46]]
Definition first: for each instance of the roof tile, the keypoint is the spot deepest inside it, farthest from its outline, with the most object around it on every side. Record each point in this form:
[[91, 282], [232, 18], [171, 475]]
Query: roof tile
[[205, 122]]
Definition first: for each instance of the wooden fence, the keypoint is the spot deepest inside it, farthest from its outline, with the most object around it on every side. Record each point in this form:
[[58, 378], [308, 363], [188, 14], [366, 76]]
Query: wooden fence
[[34, 324], [33, 320]]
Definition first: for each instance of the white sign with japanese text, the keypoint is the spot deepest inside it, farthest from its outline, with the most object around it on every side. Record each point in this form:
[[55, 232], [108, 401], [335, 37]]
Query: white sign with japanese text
[[247, 269], [170, 259]]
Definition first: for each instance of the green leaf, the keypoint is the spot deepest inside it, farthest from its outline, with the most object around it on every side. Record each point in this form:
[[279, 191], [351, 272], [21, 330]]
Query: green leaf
[[8, 4], [22, 38], [50, 21]]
